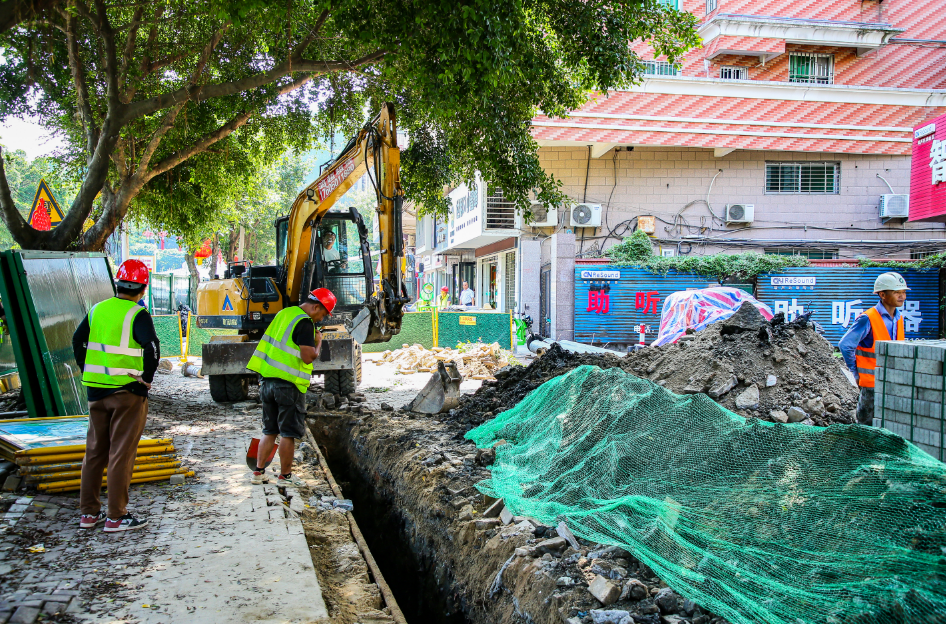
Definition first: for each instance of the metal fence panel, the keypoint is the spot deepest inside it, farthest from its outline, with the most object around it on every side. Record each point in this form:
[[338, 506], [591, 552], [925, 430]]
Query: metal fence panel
[[161, 292], [612, 303], [839, 294], [416, 328], [197, 336]]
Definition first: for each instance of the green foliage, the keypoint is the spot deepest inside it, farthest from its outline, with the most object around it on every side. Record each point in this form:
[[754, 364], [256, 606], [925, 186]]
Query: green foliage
[[467, 78], [936, 261], [631, 251]]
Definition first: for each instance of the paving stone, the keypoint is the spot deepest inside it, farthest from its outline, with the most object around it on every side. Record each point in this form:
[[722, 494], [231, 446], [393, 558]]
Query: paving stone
[[24, 615]]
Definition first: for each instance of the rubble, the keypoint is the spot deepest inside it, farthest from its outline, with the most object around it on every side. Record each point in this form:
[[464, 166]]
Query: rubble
[[474, 360], [763, 366]]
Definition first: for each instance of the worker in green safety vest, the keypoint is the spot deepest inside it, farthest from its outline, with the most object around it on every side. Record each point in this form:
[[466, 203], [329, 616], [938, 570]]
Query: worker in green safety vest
[[284, 361], [118, 351]]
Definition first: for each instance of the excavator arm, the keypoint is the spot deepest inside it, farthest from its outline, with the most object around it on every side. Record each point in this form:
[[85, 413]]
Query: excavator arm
[[373, 150]]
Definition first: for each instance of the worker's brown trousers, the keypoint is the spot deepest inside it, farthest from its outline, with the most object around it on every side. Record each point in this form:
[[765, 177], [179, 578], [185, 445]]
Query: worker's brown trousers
[[115, 426]]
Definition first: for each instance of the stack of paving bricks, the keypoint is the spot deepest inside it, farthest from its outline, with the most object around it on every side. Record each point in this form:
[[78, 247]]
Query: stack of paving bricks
[[910, 392]]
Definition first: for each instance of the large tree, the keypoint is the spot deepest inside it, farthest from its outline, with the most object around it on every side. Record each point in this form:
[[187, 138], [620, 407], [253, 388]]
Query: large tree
[[140, 89]]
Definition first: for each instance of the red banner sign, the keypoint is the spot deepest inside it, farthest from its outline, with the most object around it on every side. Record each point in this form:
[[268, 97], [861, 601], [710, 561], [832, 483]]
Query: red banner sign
[[928, 175]]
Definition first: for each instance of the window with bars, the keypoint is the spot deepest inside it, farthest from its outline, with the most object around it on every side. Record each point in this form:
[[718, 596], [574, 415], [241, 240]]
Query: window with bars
[[510, 278], [804, 178], [659, 68], [500, 212], [919, 255], [814, 68], [710, 6], [730, 72], [811, 254]]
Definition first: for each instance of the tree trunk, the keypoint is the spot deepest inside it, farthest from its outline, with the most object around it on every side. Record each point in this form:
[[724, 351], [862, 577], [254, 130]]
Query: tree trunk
[[194, 277]]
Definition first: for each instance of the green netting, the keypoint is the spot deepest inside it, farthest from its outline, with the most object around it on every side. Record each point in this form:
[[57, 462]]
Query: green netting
[[416, 328], [197, 336], [756, 521], [168, 329], [490, 327]]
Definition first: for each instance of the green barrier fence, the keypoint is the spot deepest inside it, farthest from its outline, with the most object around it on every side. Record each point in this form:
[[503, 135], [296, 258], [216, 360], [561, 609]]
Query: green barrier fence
[[447, 329], [168, 329], [756, 521], [197, 336], [416, 328]]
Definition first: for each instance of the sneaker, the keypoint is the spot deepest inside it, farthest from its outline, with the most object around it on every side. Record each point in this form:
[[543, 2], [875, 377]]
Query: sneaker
[[292, 480], [126, 523], [90, 522], [259, 478]]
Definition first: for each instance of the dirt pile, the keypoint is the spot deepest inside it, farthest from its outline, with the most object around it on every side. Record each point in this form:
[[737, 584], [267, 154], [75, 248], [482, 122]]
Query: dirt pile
[[474, 361], [776, 371]]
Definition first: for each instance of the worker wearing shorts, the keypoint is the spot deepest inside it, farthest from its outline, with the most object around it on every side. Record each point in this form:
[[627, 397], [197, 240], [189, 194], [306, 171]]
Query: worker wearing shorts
[[284, 361]]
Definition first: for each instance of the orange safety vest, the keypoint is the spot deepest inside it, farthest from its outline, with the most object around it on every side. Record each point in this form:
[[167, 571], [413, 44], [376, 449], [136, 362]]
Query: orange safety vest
[[865, 357]]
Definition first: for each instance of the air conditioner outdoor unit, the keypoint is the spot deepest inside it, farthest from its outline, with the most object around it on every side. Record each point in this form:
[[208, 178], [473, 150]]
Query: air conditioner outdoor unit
[[585, 215], [894, 206], [543, 216], [740, 213]]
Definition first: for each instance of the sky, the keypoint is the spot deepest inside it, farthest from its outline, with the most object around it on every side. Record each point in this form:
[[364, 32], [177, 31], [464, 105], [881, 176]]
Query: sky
[[32, 138]]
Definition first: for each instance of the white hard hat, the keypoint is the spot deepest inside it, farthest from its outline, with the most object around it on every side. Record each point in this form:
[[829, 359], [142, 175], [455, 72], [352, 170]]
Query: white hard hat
[[890, 281]]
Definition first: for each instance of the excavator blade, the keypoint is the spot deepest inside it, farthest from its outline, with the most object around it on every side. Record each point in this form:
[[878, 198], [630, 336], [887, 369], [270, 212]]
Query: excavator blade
[[442, 392]]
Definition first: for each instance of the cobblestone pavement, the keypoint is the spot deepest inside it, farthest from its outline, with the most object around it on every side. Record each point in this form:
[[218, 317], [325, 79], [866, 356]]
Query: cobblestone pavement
[[213, 551]]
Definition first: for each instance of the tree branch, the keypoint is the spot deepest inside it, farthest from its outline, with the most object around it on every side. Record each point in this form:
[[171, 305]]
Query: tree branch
[[130, 45], [207, 92], [82, 89], [13, 12], [221, 133]]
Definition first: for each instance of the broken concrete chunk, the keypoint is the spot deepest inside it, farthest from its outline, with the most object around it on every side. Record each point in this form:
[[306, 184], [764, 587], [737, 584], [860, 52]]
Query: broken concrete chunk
[[746, 318], [802, 349], [604, 590], [564, 581], [563, 531], [493, 510], [770, 380], [723, 387], [177, 479], [555, 546], [466, 513], [505, 515], [610, 616], [796, 414], [487, 523], [778, 416], [459, 502], [524, 551], [749, 398], [667, 600], [634, 590]]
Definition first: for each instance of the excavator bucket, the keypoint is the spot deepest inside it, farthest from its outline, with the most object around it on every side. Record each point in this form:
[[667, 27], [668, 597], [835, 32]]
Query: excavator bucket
[[442, 392]]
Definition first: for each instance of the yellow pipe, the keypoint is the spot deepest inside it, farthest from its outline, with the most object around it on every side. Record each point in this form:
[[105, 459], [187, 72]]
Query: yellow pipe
[[73, 488], [73, 474], [49, 459], [42, 468], [141, 475], [75, 448]]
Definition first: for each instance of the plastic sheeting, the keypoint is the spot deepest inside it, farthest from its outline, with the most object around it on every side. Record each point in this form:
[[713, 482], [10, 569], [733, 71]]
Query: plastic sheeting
[[18, 435], [697, 309]]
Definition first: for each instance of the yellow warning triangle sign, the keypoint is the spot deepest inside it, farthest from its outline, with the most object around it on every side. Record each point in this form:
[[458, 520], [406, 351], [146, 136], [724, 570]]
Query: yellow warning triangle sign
[[45, 213]]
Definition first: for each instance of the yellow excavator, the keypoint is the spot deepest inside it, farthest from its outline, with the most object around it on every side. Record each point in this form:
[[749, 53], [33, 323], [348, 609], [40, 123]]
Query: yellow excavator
[[318, 246]]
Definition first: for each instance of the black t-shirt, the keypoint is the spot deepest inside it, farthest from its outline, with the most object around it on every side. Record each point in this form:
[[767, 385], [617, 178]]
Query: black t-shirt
[[304, 333]]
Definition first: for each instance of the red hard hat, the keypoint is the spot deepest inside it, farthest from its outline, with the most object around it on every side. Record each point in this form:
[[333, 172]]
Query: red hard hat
[[133, 271], [444, 289], [325, 297]]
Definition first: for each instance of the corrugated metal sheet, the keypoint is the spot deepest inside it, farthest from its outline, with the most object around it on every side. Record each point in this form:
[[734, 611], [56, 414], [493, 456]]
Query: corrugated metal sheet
[[839, 295], [633, 297]]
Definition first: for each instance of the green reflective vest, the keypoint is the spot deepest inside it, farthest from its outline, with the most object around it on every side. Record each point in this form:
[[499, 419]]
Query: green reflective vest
[[278, 356], [112, 355]]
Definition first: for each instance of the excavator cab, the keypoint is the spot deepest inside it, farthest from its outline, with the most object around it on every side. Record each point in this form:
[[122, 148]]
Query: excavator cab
[[340, 260]]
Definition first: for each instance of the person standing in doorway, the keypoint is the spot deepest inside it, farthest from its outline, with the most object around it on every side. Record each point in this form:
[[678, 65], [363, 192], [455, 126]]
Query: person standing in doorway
[[881, 322], [284, 361], [118, 351], [467, 296]]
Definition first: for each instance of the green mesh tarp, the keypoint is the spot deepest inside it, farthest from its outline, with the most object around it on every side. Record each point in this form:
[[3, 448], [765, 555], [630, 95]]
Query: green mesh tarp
[[197, 336], [456, 327], [416, 328], [756, 521], [168, 329]]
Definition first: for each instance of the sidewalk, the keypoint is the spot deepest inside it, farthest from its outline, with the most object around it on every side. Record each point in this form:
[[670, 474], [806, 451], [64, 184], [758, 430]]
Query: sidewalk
[[213, 551]]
